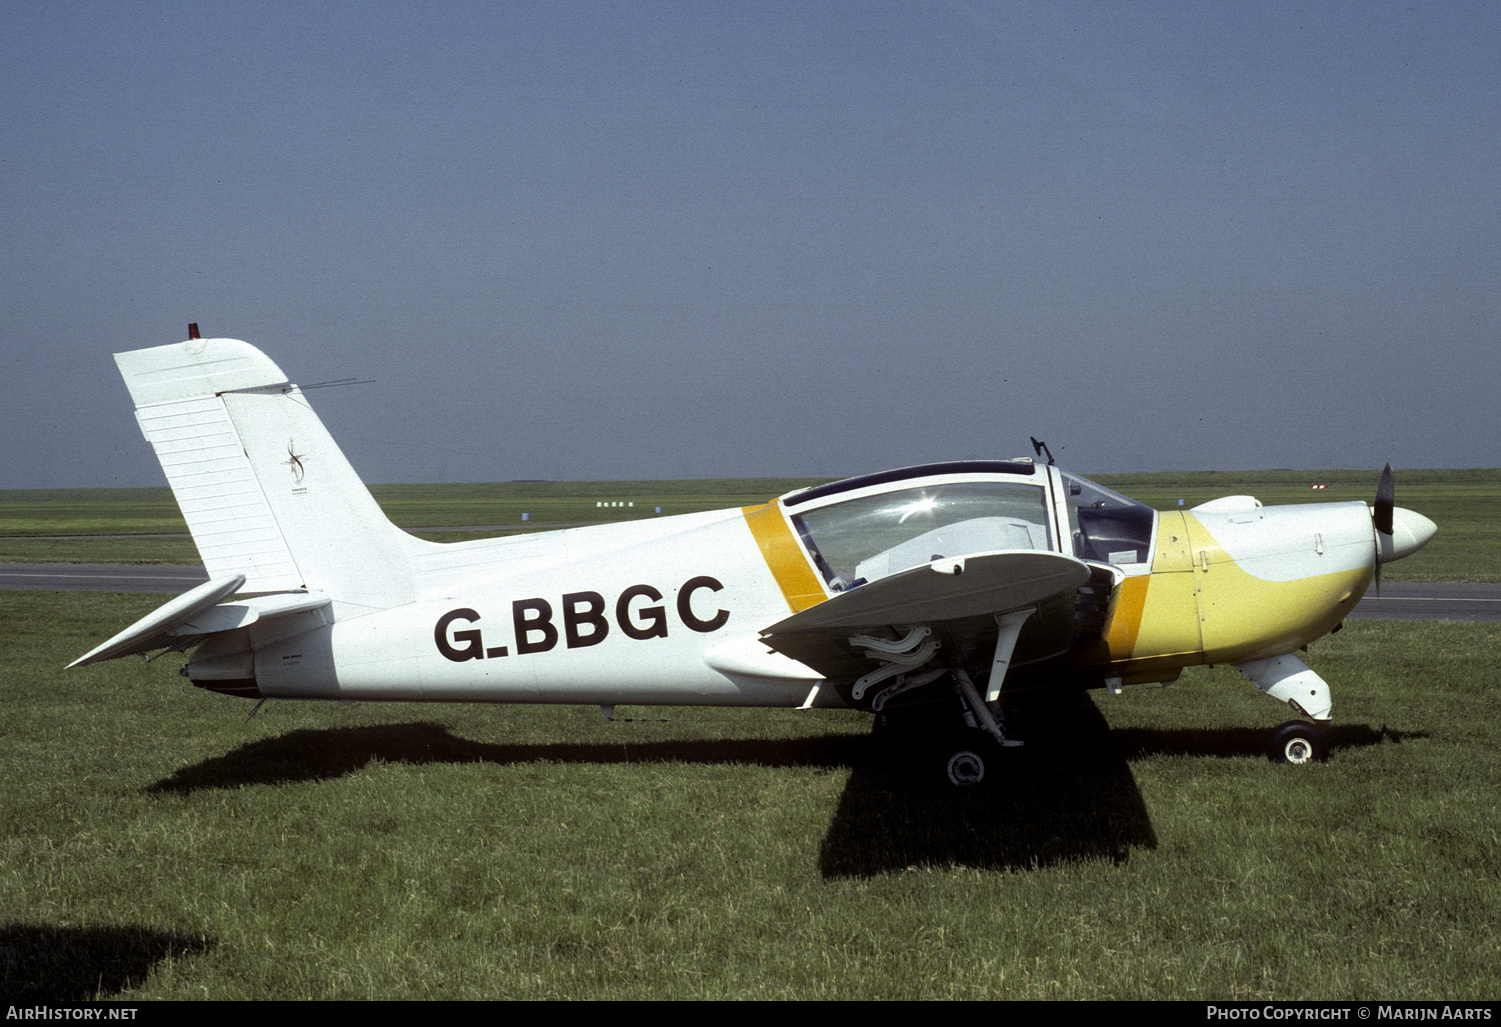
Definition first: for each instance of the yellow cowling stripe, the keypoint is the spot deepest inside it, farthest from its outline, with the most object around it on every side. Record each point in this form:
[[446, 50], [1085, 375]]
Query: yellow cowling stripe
[[800, 586], [1244, 617], [1199, 606], [1168, 619]]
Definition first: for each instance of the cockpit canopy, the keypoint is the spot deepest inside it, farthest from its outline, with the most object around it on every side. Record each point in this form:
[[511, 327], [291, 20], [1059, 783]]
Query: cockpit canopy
[[864, 539], [889, 524]]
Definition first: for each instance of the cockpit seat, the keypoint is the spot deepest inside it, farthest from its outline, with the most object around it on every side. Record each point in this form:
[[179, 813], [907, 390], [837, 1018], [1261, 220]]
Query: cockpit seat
[[976, 535]]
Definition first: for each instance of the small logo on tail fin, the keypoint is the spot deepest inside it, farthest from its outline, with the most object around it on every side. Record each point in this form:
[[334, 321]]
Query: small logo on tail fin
[[295, 463]]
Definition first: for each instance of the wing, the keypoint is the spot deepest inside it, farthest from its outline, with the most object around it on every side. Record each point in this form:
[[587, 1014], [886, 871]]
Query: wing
[[959, 601]]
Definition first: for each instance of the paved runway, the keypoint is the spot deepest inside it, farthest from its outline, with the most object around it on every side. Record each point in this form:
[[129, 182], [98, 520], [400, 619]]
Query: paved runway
[[1432, 600], [102, 577], [1408, 600]]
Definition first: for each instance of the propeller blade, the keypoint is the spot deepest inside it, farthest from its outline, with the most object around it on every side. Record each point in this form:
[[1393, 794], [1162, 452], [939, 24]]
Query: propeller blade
[[1386, 501], [1381, 515]]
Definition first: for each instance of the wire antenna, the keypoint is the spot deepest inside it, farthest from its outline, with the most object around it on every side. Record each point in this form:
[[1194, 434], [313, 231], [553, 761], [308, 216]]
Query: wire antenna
[[338, 381]]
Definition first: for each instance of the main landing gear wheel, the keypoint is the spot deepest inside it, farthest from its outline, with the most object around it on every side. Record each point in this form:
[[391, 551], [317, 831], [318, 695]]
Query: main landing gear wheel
[[968, 759], [965, 768], [1298, 742]]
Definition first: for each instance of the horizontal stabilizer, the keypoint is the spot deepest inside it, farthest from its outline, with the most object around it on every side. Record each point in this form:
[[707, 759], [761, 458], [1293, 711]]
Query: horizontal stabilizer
[[196, 615], [247, 612], [142, 636]]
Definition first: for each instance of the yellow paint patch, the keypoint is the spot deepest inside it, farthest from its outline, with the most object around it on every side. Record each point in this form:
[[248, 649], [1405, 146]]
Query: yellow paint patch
[[1243, 617], [1168, 615], [1125, 620], [1199, 606], [800, 586]]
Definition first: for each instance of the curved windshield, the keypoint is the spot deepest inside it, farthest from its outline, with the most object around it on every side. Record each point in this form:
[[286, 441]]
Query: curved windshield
[[861, 540], [1107, 526]]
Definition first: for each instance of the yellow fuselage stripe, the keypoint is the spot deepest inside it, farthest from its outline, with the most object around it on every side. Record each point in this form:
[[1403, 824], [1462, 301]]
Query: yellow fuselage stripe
[[1125, 622], [799, 585]]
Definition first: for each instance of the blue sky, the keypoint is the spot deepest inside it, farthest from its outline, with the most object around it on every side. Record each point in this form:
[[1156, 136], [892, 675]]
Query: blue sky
[[639, 240]]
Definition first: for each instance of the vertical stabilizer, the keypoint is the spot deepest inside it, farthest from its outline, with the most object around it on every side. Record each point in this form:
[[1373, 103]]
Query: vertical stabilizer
[[264, 489]]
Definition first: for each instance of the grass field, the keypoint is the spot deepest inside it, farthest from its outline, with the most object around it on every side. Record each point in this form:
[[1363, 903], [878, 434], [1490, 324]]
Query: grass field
[[155, 844], [1462, 502]]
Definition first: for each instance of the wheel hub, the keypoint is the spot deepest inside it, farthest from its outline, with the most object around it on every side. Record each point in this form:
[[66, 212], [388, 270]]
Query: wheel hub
[[966, 768], [1299, 751]]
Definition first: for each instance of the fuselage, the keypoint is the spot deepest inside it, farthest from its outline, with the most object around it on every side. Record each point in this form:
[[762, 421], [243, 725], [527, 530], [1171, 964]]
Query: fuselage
[[670, 610]]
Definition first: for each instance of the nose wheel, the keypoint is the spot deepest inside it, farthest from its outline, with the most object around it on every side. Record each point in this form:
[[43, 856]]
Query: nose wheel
[[1298, 742]]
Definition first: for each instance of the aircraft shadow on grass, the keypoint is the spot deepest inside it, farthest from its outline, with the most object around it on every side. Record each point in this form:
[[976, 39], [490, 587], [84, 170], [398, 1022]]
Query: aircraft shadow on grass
[[322, 754], [1068, 795], [43, 963]]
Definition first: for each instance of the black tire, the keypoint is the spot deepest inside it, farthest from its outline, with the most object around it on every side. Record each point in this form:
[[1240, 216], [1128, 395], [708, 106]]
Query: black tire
[[1297, 742], [968, 761]]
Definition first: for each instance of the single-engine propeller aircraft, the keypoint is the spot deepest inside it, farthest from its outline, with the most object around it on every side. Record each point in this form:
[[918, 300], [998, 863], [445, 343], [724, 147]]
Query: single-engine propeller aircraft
[[923, 589]]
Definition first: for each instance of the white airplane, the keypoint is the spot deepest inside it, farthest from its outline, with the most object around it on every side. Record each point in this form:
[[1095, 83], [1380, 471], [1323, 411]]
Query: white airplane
[[924, 594]]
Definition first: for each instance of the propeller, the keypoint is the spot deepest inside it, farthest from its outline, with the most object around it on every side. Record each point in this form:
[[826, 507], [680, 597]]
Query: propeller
[[1386, 501], [1398, 533], [1381, 515]]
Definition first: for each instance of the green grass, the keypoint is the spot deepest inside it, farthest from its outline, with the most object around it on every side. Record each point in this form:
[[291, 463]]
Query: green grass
[[138, 511], [1462, 502], [99, 550], [155, 844]]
